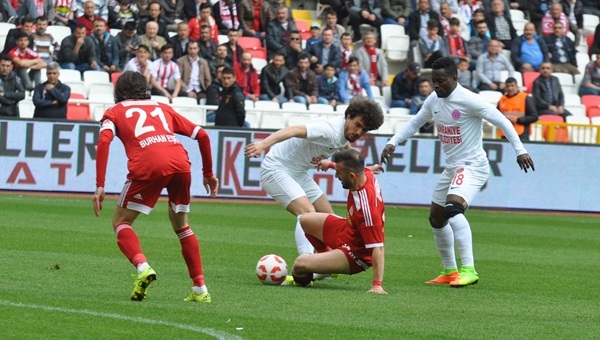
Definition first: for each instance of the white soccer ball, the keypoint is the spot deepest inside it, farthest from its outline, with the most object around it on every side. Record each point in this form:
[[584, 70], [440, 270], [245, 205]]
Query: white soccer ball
[[271, 269]]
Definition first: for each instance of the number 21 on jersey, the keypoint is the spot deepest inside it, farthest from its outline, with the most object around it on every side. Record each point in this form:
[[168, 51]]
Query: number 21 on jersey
[[140, 126]]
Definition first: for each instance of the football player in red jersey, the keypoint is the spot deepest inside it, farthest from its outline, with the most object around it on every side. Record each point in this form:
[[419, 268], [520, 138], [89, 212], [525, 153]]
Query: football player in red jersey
[[346, 245], [156, 160]]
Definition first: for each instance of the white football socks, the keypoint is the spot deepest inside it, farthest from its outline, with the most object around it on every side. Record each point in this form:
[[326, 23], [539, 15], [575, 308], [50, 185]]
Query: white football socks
[[142, 267], [444, 241], [200, 290], [302, 243], [463, 239]]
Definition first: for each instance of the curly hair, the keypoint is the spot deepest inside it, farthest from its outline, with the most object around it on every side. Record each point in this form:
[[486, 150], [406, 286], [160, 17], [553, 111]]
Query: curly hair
[[369, 110], [131, 85]]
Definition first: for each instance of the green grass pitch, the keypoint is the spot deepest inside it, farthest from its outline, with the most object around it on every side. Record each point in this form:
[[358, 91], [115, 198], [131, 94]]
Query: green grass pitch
[[62, 276]]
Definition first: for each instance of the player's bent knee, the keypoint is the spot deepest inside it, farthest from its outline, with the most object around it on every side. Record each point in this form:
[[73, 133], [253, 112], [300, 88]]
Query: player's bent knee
[[452, 209], [301, 265], [436, 222]]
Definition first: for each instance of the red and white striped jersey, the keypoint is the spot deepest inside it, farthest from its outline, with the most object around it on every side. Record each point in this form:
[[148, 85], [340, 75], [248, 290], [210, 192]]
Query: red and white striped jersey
[[163, 72]]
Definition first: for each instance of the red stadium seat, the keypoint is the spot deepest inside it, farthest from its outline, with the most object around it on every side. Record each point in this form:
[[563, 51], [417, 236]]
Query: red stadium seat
[[257, 52], [590, 102], [528, 78], [593, 112], [114, 76], [75, 95], [561, 134], [78, 111], [249, 42], [303, 28], [589, 40]]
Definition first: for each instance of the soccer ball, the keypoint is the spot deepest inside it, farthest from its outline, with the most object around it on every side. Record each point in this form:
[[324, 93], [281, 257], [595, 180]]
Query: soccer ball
[[271, 269]]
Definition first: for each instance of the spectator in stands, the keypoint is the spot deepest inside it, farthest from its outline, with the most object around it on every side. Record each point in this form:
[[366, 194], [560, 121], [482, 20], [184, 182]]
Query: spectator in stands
[[27, 63], [204, 19], [234, 50], [249, 13], [436, 5], [590, 84], [279, 32], [489, 68], [50, 98], [303, 82], [418, 99], [331, 22], [500, 25], [346, 48], [141, 62], [64, 12], [213, 92], [165, 75], [292, 50], [125, 14], [328, 87], [519, 108], [457, 48], [42, 41], [406, 85], [12, 91], [106, 47], [315, 35], [100, 8], [195, 73], [536, 10], [595, 48], [20, 9], [180, 41], [220, 59], [478, 43], [467, 11], [231, 110], [417, 21], [143, 7], [154, 15], [226, 16], [574, 11], [478, 16], [191, 8], [591, 7], [11, 35], [364, 12], [338, 7], [154, 41], [273, 79], [372, 60], [528, 51], [352, 81], [128, 41], [44, 8], [268, 11], [465, 76], [433, 46], [562, 51], [77, 52], [555, 14], [395, 12], [446, 14], [247, 77], [548, 94], [88, 17], [325, 52], [208, 47], [172, 13]]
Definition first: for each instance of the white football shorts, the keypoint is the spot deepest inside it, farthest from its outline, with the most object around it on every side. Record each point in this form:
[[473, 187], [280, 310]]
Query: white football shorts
[[284, 188], [464, 180]]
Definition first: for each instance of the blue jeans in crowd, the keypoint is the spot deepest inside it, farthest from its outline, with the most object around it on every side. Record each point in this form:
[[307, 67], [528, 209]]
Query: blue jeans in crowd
[[400, 103], [265, 97], [80, 67], [302, 99]]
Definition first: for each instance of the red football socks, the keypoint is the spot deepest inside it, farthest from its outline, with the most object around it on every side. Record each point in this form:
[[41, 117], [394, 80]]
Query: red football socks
[[190, 248], [129, 244]]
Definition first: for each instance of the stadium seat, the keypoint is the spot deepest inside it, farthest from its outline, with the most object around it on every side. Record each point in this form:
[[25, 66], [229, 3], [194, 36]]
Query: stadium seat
[[100, 88], [387, 31], [386, 92], [560, 132], [491, 97], [101, 77], [78, 111], [99, 102], [528, 79], [577, 110], [266, 105], [59, 33], [398, 47], [223, 39], [76, 86], [67, 75], [160, 99], [298, 107], [275, 119], [191, 113], [341, 108], [320, 108], [516, 74], [595, 120], [582, 60], [589, 39], [75, 95], [257, 52], [249, 42], [516, 14], [572, 99], [590, 22], [593, 112], [590, 101], [259, 64], [115, 76], [26, 108], [303, 28], [300, 118], [185, 101], [253, 118], [302, 14], [114, 31], [320, 8], [248, 104], [566, 82], [399, 111]]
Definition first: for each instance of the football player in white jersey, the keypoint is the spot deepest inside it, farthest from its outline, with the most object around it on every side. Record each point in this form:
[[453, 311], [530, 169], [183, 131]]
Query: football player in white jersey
[[458, 114], [297, 149]]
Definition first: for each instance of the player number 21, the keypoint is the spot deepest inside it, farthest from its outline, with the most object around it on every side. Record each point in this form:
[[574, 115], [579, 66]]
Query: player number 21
[[140, 128]]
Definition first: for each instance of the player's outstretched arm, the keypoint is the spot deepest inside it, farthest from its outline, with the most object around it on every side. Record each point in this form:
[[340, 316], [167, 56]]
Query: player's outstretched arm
[[98, 200], [386, 154], [376, 168], [378, 265], [256, 149], [525, 162], [211, 184], [325, 164]]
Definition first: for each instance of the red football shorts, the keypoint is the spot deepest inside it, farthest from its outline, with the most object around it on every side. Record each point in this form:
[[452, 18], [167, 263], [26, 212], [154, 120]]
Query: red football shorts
[[142, 195], [358, 258]]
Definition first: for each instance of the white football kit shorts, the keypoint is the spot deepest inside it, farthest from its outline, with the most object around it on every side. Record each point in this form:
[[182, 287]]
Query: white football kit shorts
[[284, 188], [463, 179]]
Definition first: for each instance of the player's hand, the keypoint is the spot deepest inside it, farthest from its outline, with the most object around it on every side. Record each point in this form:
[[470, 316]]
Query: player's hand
[[376, 168], [97, 200], [211, 184], [386, 154], [323, 165], [254, 149], [377, 290], [525, 162]]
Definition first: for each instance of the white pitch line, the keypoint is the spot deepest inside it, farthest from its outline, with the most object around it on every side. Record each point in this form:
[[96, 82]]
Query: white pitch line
[[209, 331]]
